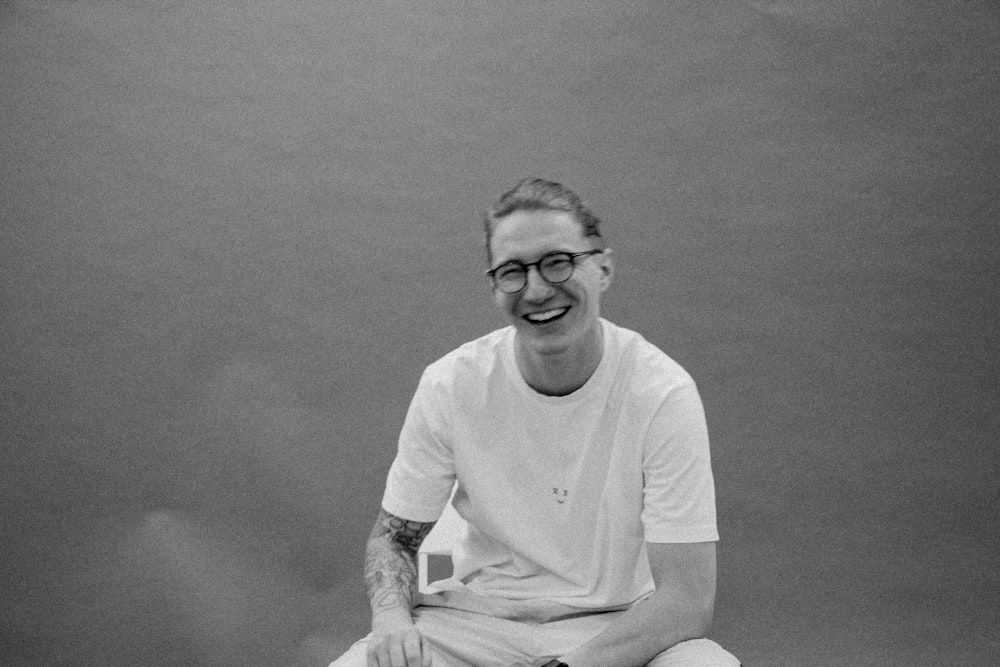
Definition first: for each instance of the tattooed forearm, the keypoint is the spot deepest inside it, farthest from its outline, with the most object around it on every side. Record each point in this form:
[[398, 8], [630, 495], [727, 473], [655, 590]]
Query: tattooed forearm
[[391, 561]]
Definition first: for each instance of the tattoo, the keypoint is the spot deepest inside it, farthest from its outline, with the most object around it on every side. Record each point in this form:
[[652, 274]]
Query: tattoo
[[391, 561]]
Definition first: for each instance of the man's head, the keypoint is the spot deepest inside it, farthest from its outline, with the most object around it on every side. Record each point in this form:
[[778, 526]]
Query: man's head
[[549, 268], [536, 194]]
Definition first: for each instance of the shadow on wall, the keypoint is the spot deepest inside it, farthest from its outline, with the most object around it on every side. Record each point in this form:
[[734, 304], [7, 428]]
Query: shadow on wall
[[168, 590]]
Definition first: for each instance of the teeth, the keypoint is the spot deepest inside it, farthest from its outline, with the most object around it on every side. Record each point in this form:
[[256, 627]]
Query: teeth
[[547, 315]]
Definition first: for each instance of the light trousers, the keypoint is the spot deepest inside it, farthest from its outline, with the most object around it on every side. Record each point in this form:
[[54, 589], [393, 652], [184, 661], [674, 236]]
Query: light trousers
[[467, 639]]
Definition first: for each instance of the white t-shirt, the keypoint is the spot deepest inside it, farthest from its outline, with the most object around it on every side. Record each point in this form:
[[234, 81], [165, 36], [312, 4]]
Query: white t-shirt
[[560, 493]]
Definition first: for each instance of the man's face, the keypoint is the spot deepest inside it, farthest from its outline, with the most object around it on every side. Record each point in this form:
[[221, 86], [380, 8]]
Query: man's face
[[551, 318]]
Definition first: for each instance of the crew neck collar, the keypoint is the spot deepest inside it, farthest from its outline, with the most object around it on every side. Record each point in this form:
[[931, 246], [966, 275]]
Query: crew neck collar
[[510, 360]]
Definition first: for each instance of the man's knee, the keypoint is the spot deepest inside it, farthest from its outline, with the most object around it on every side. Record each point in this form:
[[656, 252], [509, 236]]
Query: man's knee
[[355, 656], [695, 653]]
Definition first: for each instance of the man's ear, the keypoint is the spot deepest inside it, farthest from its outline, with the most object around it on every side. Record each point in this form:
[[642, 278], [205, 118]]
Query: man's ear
[[607, 264]]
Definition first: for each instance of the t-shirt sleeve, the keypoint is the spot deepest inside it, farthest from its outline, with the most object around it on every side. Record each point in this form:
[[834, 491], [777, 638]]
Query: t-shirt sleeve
[[421, 476], [678, 489]]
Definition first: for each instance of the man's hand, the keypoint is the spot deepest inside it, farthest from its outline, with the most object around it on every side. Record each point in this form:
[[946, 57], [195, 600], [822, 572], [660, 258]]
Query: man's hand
[[396, 642]]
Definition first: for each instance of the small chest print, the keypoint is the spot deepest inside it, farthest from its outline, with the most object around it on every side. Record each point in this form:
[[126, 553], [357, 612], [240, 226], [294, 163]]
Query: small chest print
[[560, 494]]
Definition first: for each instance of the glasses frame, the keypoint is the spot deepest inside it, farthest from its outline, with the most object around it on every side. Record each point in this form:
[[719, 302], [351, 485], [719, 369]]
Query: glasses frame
[[573, 256]]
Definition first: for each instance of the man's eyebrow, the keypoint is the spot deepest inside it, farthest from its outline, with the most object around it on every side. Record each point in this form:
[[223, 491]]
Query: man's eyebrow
[[504, 262]]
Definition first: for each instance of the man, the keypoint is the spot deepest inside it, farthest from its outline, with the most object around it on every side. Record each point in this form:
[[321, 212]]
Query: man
[[579, 455]]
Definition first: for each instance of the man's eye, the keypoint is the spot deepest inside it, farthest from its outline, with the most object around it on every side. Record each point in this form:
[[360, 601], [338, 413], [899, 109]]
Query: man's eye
[[509, 271], [560, 262]]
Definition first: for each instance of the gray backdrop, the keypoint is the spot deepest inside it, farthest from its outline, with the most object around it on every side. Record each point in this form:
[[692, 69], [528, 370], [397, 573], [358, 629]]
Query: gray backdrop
[[233, 233]]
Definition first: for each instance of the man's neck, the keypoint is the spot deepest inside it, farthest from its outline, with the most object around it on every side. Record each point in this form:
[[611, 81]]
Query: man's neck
[[559, 373]]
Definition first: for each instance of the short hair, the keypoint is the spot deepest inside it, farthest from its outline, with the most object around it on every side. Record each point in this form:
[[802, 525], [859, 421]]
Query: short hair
[[537, 194]]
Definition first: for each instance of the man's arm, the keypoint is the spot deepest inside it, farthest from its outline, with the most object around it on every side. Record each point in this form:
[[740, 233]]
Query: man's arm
[[391, 582], [681, 608]]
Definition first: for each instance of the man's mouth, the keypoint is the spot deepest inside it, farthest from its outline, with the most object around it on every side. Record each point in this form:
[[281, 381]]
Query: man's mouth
[[546, 316]]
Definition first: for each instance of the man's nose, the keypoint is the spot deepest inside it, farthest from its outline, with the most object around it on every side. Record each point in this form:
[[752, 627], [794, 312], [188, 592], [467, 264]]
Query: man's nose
[[537, 288]]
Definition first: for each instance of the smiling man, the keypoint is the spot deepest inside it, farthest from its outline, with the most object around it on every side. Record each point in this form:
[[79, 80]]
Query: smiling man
[[578, 453]]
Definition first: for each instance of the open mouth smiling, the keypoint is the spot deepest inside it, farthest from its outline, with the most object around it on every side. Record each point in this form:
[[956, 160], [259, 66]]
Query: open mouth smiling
[[546, 316]]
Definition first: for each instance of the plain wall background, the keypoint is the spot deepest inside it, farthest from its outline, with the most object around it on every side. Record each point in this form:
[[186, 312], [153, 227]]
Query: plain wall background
[[233, 233]]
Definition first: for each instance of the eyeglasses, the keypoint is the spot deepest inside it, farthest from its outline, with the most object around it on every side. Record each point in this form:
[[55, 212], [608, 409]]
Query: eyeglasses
[[554, 268]]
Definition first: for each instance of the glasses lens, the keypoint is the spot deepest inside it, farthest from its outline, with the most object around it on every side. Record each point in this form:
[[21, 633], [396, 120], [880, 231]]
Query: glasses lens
[[556, 268], [509, 278]]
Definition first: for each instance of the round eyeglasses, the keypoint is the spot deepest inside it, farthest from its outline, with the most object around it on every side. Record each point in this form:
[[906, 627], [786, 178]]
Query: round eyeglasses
[[556, 267]]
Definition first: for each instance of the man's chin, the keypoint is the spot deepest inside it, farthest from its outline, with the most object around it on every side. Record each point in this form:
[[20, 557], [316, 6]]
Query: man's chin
[[544, 342]]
